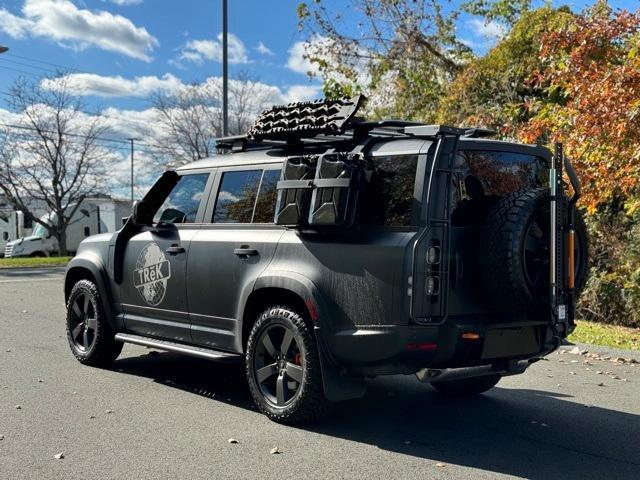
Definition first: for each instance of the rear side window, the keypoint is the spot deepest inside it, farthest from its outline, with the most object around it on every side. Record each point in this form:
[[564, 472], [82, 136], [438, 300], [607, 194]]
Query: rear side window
[[181, 206], [492, 173], [247, 196], [267, 197], [389, 197]]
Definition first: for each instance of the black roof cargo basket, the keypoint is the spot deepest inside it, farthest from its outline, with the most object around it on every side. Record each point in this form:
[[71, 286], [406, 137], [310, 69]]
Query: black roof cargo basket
[[305, 119], [329, 121]]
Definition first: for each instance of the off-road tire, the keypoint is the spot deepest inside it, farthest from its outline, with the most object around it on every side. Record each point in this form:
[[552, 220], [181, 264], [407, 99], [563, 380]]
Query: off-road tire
[[467, 387], [501, 256], [104, 349], [309, 403]]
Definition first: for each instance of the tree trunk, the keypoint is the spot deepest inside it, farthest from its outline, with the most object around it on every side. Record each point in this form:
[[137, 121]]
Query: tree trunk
[[62, 242]]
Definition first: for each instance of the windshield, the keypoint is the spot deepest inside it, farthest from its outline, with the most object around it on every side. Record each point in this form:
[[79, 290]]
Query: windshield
[[39, 231]]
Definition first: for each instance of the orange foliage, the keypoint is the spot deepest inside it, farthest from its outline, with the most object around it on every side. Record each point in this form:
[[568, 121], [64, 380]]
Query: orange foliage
[[592, 74]]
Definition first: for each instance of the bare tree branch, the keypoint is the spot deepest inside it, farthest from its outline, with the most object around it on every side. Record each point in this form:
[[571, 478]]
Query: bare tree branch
[[59, 162]]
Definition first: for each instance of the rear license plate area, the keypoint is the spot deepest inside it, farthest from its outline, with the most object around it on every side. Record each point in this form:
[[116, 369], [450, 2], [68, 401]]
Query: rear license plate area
[[510, 342]]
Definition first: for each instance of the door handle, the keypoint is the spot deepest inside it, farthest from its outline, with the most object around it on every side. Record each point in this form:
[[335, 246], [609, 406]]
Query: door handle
[[175, 249], [245, 251]]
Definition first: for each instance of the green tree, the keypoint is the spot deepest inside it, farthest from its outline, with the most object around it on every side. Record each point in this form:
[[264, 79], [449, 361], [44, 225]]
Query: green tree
[[493, 90], [402, 52], [507, 11]]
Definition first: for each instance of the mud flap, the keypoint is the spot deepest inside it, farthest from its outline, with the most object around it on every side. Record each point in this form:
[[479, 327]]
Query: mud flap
[[337, 387]]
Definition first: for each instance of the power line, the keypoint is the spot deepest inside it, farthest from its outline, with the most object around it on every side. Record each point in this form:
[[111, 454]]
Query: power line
[[41, 61], [76, 135], [2, 59]]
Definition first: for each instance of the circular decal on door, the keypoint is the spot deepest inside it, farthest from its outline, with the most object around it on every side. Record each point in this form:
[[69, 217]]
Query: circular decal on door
[[151, 274]]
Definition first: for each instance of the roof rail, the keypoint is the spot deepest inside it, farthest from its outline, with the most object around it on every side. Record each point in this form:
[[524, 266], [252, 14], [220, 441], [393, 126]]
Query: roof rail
[[476, 132]]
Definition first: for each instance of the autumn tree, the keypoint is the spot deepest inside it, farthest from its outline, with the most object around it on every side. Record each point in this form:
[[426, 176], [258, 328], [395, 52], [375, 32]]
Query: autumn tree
[[51, 154], [494, 89], [506, 11], [591, 74], [401, 52]]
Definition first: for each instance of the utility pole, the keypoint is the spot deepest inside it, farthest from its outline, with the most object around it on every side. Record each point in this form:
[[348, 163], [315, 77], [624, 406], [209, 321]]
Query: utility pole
[[225, 71], [132, 140]]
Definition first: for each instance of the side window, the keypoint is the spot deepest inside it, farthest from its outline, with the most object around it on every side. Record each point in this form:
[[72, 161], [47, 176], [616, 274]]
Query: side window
[[181, 206], [389, 195], [499, 173], [237, 196], [267, 197], [5, 236]]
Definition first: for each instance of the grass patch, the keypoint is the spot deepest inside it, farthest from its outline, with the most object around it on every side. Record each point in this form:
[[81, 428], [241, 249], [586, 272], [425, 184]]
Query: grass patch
[[606, 335], [33, 262]]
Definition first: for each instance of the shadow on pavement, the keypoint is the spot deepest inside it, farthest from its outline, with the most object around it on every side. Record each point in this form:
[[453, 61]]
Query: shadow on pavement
[[525, 433]]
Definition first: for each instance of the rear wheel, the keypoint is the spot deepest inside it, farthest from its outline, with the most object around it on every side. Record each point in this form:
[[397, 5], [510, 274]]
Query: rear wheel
[[467, 387], [283, 367], [88, 332]]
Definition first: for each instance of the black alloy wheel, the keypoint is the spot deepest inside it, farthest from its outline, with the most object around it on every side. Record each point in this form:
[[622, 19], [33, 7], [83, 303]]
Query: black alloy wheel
[[89, 333], [283, 367], [278, 365], [536, 253], [83, 322]]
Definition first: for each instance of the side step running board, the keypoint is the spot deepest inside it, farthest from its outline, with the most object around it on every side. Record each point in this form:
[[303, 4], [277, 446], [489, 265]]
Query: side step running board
[[179, 347]]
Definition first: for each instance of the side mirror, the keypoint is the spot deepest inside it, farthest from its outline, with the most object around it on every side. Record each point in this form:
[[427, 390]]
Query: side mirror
[[142, 213]]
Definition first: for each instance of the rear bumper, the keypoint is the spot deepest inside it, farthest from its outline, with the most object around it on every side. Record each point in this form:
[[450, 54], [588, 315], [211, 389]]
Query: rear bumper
[[392, 349]]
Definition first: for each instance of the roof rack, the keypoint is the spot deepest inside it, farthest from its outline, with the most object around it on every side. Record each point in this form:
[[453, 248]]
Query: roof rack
[[329, 121]]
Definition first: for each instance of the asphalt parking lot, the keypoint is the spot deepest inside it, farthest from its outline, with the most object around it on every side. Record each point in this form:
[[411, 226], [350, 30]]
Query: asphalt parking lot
[[159, 415]]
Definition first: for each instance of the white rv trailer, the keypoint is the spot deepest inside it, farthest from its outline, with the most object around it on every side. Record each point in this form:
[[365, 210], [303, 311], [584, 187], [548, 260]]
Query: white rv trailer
[[95, 215]]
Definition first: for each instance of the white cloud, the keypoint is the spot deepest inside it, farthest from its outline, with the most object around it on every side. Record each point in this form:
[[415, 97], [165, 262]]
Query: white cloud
[[300, 93], [198, 51], [263, 49], [62, 21], [15, 27], [125, 3], [117, 86], [320, 46], [86, 84], [490, 30], [297, 61]]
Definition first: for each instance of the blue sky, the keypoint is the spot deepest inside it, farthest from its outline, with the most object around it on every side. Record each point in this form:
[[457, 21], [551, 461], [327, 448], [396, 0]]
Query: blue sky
[[164, 42]]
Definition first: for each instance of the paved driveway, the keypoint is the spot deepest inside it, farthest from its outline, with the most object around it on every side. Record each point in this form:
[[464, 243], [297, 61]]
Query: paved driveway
[[159, 415]]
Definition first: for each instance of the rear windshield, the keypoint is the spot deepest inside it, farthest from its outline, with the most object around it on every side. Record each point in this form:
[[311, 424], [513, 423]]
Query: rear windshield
[[494, 173]]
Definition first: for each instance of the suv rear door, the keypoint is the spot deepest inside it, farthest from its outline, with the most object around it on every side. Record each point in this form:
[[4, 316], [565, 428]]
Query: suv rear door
[[234, 246]]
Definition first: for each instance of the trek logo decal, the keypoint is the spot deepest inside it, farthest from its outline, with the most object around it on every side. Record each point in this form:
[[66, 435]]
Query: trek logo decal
[[151, 274]]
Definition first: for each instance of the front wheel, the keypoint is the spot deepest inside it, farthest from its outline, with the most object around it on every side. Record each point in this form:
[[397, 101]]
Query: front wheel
[[88, 332], [467, 387], [283, 367]]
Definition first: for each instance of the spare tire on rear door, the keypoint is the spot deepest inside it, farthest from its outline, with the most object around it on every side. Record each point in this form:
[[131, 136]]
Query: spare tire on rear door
[[514, 253]]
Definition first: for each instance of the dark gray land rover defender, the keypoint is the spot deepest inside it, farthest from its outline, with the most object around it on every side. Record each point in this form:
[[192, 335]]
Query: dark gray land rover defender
[[321, 249]]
